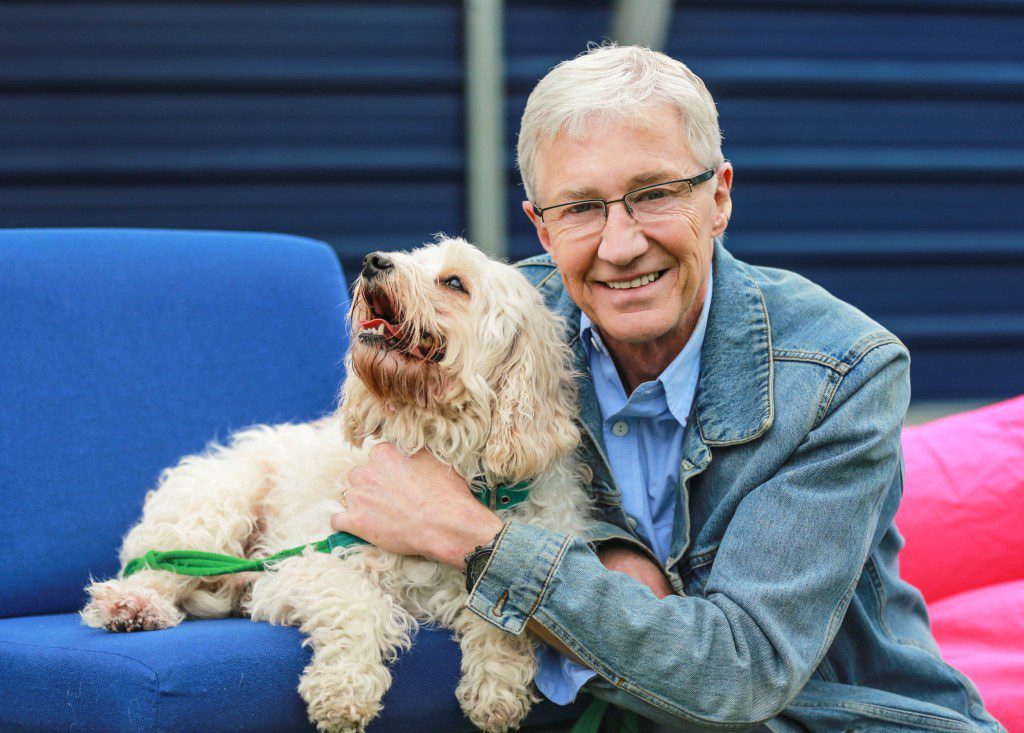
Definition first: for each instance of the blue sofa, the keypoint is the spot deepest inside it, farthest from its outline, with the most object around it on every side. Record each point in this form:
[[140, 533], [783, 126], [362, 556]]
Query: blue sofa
[[120, 351]]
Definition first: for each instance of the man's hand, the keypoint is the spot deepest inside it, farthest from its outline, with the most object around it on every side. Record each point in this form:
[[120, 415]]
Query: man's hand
[[624, 559], [414, 505]]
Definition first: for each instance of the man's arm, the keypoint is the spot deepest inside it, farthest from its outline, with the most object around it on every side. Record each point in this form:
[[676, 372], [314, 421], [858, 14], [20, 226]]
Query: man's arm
[[622, 559], [780, 585]]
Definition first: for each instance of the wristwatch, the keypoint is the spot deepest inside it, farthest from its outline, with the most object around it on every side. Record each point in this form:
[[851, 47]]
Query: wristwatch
[[477, 560]]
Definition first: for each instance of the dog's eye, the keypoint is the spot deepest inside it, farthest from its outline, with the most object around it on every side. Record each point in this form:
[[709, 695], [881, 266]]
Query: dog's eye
[[455, 283]]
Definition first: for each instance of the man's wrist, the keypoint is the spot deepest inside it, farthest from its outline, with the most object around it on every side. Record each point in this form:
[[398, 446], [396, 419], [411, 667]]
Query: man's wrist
[[462, 540]]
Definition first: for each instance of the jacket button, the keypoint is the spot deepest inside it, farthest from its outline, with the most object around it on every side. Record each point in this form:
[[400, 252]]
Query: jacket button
[[620, 428], [631, 522]]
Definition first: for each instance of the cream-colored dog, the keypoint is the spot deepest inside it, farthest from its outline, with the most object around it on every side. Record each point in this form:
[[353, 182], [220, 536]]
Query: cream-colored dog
[[450, 351]]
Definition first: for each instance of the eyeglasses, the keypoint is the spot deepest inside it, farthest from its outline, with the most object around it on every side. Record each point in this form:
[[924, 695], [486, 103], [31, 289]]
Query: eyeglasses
[[577, 220]]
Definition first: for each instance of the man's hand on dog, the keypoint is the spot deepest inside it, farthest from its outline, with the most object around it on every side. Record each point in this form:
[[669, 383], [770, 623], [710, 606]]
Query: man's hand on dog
[[414, 505]]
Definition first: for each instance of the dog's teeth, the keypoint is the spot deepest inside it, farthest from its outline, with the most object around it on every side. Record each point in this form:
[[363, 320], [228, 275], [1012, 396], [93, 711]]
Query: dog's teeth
[[380, 330]]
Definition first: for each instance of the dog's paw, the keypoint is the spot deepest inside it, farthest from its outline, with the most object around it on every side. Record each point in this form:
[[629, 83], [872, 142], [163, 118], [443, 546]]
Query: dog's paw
[[343, 699], [115, 606], [494, 708]]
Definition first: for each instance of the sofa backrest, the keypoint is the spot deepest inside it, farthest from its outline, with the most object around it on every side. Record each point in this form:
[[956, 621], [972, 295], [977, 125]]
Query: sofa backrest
[[123, 350]]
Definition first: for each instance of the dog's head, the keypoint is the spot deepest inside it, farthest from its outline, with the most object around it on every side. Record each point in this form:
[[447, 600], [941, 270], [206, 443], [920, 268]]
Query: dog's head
[[455, 352]]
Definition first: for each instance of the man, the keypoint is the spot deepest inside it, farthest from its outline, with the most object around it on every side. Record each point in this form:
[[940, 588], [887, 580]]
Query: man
[[744, 431]]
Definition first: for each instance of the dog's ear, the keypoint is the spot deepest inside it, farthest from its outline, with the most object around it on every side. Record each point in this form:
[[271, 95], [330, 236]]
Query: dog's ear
[[534, 402]]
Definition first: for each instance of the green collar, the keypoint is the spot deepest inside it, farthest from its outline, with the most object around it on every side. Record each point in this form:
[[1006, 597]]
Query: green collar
[[502, 496], [202, 564]]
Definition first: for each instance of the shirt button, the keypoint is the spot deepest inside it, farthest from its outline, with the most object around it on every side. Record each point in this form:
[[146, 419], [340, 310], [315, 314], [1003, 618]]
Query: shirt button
[[620, 428], [631, 522]]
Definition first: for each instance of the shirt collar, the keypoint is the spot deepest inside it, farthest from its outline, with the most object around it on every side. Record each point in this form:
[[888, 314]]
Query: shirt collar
[[679, 379]]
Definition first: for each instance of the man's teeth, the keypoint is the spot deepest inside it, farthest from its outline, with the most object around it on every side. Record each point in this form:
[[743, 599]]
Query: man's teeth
[[636, 283]]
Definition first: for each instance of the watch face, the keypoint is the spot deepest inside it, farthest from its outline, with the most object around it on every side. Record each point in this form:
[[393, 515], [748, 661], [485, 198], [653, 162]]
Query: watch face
[[478, 562], [475, 565]]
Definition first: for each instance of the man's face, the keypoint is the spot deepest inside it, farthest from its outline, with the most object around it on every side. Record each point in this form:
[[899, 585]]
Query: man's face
[[612, 161]]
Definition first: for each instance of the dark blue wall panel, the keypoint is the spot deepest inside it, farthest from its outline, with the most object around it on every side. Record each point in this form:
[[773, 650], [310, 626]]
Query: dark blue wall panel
[[341, 121], [878, 146]]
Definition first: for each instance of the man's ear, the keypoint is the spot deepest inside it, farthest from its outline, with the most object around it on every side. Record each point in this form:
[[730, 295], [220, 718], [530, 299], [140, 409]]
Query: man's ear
[[723, 199], [542, 231]]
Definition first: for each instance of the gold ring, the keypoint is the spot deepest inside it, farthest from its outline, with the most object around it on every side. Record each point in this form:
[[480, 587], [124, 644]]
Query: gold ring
[[344, 504]]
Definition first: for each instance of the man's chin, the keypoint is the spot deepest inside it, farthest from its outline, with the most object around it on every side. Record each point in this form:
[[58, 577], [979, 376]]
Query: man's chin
[[632, 329]]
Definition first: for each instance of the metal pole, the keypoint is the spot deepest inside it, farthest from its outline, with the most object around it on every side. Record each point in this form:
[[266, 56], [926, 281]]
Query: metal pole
[[642, 23], [486, 177]]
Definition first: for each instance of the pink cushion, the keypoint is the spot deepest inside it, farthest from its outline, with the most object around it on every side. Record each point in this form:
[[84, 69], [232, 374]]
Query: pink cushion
[[963, 502], [981, 633], [963, 520]]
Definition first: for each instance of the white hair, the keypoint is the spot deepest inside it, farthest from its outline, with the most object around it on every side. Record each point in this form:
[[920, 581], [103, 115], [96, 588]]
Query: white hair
[[610, 83]]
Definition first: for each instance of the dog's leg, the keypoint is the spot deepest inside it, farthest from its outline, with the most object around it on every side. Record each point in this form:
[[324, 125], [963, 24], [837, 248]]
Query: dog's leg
[[207, 502], [496, 689], [143, 602], [355, 629]]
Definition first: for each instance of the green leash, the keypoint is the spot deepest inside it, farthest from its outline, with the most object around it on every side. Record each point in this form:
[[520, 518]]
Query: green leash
[[200, 564]]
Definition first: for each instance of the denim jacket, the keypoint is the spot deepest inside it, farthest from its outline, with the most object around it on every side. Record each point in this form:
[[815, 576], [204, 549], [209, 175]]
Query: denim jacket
[[790, 612]]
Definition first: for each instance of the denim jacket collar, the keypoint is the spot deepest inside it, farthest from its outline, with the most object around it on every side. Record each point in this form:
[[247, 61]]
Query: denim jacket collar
[[734, 402]]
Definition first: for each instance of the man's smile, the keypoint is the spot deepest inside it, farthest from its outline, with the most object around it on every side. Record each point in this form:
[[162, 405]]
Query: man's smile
[[639, 281]]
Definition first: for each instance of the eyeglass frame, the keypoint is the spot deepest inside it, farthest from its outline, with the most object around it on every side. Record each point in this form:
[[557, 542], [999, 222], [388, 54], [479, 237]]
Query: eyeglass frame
[[691, 182]]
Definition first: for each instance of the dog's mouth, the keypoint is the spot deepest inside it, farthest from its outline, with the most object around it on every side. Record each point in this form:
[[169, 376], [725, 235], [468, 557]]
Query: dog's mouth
[[383, 329]]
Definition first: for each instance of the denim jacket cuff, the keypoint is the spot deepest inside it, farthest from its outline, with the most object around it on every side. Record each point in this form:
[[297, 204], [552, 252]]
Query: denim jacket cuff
[[515, 578]]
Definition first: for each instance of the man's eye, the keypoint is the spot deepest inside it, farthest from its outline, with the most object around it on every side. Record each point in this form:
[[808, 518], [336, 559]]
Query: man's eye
[[455, 283], [653, 194], [581, 208]]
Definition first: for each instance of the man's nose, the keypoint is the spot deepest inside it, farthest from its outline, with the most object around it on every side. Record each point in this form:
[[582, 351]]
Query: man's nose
[[622, 239], [375, 264]]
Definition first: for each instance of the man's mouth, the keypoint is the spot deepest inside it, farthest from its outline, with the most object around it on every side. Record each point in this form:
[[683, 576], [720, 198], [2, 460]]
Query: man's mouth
[[637, 282], [384, 329]]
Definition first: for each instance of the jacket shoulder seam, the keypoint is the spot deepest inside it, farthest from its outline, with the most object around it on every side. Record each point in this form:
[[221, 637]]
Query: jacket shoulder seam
[[866, 347]]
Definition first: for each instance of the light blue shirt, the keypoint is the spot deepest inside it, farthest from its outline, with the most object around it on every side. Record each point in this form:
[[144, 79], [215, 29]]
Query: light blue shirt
[[644, 436]]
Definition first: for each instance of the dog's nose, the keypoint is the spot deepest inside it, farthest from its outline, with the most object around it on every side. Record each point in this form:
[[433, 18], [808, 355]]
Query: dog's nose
[[375, 264]]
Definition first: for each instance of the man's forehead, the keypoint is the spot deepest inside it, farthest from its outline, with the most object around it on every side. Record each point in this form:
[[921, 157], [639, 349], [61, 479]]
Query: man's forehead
[[614, 157]]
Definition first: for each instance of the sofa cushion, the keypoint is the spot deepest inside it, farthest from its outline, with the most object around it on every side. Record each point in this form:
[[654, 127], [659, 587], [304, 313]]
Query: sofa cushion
[[124, 350], [224, 675]]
